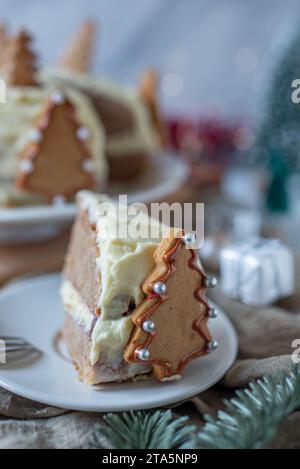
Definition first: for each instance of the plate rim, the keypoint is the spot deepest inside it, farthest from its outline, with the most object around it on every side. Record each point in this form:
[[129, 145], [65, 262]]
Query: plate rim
[[116, 407]]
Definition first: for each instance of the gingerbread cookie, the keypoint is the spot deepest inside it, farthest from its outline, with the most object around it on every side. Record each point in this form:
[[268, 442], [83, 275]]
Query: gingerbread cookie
[[19, 62], [148, 91], [3, 42], [171, 323], [57, 163], [78, 55]]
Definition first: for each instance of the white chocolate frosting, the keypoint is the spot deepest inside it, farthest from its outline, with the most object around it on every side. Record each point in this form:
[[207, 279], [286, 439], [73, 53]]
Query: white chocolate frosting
[[124, 264], [19, 116]]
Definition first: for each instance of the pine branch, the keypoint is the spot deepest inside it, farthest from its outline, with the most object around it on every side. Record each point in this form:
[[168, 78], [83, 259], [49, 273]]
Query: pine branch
[[140, 430], [251, 420]]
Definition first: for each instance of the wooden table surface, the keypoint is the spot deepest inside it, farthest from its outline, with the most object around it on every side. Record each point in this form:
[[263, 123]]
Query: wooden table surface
[[31, 259]]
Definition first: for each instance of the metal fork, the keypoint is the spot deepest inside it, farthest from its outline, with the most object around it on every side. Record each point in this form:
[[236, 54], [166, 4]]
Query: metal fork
[[14, 349]]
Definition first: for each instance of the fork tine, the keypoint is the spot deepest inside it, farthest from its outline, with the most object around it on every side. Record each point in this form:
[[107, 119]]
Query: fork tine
[[16, 348], [13, 340], [7, 338]]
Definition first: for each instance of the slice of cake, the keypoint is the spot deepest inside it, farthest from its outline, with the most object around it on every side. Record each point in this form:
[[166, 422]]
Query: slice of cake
[[134, 304], [101, 288]]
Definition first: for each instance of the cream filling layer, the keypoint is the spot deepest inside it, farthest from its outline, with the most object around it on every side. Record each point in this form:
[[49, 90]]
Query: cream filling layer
[[108, 335], [77, 308]]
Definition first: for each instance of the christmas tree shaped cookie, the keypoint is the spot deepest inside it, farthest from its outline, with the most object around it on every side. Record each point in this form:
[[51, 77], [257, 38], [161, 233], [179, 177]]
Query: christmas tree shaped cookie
[[19, 61], [171, 323], [148, 90], [57, 163]]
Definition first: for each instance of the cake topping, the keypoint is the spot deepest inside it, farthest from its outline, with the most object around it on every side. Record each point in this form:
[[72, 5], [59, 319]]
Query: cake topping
[[171, 325], [211, 282], [143, 354], [190, 240], [58, 200], [3, 42], [148, 90], [88, 166], [26, 166], [212, 345], [149, 326], [19, 61], [212, 313], [159, 288], [83, 133], [57, 97], [55, 145], [35, 135], [79, 54]]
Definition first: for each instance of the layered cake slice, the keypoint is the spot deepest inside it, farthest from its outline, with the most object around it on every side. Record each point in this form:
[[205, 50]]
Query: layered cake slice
[[101, 288], [135, 298]]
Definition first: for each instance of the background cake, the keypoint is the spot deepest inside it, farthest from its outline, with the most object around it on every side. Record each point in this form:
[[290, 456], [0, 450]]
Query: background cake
[[118, 128], [130, 116], [130, 135], [25, 118]]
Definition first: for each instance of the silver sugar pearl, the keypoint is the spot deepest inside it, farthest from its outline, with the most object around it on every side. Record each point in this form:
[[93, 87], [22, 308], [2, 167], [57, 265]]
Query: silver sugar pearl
[[189, 239], [212, 345], [88, 166], [35, 135], [159, 288], [57, 97], [59, 200], [211, 282], [83, 133], [212, 313], [26, 166], [148, 326], [143, 354]]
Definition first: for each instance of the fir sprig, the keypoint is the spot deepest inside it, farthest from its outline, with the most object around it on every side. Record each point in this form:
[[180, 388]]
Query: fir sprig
[[250, 420], [142, 430]]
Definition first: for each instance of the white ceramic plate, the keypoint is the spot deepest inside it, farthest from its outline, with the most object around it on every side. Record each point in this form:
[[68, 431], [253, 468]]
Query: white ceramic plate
[[165, 175], [31, 308]]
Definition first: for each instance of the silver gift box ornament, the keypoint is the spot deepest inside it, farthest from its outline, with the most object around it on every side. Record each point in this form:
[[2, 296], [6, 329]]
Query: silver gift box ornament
[[259, 271]]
